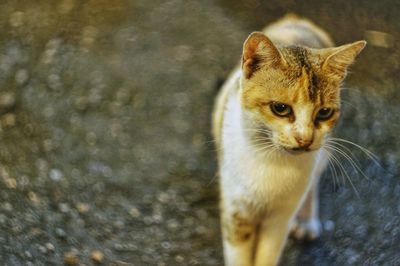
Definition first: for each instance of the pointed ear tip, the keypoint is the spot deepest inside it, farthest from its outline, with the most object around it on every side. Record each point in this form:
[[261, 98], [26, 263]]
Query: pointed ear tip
[[256, 34], [255, 38], [361, 44]]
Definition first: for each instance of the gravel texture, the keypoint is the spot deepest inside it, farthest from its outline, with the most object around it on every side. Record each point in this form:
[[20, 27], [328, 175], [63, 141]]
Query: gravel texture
[[105, 151]]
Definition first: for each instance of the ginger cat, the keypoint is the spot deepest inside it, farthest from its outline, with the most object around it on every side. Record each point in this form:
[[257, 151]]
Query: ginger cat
[[271, 119]]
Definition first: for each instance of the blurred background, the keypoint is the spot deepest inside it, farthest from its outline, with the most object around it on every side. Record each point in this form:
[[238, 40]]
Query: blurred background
[[105, 151]]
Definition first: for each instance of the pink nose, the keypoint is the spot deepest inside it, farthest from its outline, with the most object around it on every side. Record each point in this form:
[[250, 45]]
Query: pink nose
[[304, 143]]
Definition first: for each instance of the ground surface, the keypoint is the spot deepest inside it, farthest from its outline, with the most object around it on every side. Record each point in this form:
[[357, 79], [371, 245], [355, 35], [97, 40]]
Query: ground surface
[[105, 145]]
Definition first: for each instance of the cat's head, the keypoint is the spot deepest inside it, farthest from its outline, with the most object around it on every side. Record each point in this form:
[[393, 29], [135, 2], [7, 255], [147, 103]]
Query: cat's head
[[294, 92]]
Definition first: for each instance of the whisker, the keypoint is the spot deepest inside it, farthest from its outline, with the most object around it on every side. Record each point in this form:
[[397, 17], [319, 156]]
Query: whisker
[[353, 160], [352, 90], [338, 163], [350, 160], [370, 154], [332, 170], [272, 150], [335, 163], [265, 148], [213, 179], [348, 104]]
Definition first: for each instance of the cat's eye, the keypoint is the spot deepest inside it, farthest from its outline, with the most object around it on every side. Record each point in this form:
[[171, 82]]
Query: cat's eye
[[280, 109], [324, 114]]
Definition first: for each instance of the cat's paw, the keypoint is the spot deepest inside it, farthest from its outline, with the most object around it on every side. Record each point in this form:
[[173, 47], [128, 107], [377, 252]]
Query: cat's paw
[[306, 230]]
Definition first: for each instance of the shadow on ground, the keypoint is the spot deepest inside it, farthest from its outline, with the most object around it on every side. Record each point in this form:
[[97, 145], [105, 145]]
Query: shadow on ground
[[105, 152]]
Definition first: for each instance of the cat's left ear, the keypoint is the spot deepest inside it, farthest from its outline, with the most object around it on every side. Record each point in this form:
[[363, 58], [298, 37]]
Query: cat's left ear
[[338, 59], [258, 50]]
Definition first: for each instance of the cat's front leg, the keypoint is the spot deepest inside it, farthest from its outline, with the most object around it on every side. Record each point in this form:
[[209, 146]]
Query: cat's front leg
[[272, 236], [307, 225], [238, 232]]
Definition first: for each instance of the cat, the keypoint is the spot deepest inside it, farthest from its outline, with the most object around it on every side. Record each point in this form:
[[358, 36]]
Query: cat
[[271, 118]]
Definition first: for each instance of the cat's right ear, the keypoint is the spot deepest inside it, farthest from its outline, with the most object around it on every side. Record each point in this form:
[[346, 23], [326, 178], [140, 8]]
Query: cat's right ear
[[258, 50], [338, 59]]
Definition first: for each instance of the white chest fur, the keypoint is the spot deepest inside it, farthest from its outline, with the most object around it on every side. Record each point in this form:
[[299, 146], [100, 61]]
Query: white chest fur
[[267, 180]]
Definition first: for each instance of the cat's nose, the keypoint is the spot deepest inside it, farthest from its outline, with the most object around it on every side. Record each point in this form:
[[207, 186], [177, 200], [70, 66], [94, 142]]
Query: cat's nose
[[304, 143]]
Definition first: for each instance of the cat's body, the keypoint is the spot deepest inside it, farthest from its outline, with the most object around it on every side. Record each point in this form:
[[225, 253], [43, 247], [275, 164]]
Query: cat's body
[[264, 178]]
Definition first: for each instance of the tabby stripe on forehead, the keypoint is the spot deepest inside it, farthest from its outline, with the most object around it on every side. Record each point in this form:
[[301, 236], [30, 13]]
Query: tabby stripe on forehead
[[302, 57], [312, 86]]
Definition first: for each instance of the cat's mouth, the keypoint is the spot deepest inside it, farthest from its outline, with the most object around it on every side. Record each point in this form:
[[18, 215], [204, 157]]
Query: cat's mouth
[[297, 150]]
